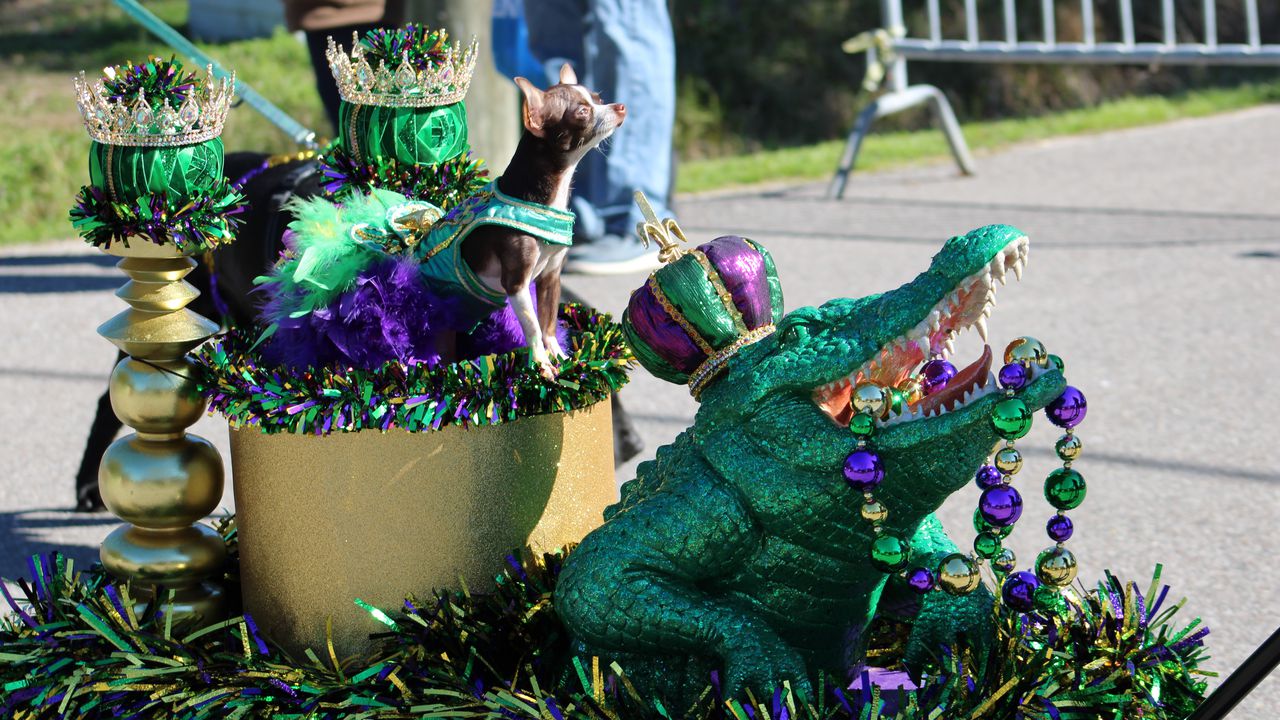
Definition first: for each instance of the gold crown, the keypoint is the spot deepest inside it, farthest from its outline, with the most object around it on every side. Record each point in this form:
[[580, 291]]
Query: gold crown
[[403, 85], [117, 120]]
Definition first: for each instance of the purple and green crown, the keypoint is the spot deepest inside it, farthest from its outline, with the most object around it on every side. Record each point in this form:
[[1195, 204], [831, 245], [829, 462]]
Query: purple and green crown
[[702, 307]]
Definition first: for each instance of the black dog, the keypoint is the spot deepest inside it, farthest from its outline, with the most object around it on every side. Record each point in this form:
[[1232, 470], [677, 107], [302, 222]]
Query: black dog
[[227, 274]]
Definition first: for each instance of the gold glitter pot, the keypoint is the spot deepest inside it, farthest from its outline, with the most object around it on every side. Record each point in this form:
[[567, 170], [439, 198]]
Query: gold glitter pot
[[324, 520]]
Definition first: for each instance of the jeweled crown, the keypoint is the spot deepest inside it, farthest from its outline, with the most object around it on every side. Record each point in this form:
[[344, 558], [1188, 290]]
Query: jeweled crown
[[415, 68], [154, 105], [703, 306]]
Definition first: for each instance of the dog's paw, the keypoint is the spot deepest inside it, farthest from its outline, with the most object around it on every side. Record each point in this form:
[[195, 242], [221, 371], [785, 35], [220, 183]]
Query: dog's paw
[[546, 365], [553, 348]]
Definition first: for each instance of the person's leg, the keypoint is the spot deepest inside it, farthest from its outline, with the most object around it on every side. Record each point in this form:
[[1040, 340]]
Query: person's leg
[[318, 44], [556, 29]]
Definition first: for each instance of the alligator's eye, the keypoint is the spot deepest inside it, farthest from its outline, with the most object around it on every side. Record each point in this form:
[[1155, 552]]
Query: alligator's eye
[[795, 332]]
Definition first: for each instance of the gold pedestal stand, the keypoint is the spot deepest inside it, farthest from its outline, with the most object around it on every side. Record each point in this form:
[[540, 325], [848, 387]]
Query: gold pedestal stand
[[161, 479]]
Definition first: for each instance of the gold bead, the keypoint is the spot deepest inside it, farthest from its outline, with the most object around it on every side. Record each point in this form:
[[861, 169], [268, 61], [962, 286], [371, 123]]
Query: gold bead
[[161, 484], [1028, 351], [872, 398], [958, 575], [912, 388], [1069, 447], [875, 513], [156, 397], [1056, 566], [1008, 460]]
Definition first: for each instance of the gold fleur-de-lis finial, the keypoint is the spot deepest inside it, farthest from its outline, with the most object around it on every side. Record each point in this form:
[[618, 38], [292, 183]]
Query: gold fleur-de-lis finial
[[666, 232]]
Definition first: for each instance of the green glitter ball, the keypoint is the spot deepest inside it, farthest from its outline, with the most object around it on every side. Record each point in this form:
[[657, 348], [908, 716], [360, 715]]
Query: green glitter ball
[[126, 173], [986, 545], [1011, 418], [1049, 600], [862, 425], [1064, 488], [980, 525], [889, 553], [410, 135]]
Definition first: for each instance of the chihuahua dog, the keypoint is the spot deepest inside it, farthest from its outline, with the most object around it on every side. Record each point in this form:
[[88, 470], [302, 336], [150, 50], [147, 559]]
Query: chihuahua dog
[[561, 125]]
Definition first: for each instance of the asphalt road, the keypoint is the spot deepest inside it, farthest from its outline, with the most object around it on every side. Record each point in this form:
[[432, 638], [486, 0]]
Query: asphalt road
[[1153, 273]]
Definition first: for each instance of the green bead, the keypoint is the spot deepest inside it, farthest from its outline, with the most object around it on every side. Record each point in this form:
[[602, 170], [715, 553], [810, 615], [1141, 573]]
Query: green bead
[[127, 173], [898, 399], [874, 513], [410, 135], [1049, 600], [980, 525], [1064, 488], [1008, 460], [889, 553], [1011, 418], [1055, 363], [862, 425], [1056, 566], [1068, 447], [986, 545], [1006, 562], [958, 575]]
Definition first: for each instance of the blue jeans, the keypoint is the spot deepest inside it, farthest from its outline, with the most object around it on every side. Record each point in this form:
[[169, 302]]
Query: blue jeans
[[624, 50]]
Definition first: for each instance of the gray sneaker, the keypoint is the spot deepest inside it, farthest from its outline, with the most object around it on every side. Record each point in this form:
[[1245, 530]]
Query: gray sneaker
[[611, 255]]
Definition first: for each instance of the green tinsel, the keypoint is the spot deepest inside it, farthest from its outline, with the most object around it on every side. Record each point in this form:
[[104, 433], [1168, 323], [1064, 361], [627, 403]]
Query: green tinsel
[[73, 649], [485, 391], [443, 185], [193, 226]]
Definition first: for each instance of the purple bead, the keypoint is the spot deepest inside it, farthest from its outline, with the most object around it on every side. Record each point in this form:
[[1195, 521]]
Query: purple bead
[[1001, 505], [864, 470], [921, 580], [936, 373], [1014, 376], [1019, 591], [1059, 528], [988, 477], [1069, 409]]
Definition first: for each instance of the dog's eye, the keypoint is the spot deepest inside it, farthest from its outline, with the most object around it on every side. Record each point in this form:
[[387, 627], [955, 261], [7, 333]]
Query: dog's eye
[[584, 111]]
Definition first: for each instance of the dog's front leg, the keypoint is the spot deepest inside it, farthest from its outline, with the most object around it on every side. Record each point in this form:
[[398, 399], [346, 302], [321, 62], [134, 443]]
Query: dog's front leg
[[522, 304], [548, 284]]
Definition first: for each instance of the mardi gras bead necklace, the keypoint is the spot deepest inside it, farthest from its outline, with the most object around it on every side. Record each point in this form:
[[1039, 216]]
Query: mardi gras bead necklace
[[1000, 505]]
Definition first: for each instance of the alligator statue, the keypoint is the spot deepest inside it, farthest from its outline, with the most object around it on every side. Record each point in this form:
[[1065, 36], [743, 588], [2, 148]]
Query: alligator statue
[[740, 549]]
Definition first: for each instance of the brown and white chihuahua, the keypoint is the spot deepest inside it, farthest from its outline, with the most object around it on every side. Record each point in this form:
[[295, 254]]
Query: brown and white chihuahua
[[561, 125]]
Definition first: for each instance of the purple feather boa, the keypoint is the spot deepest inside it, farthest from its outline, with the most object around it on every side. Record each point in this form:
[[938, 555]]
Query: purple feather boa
[[390, 314]]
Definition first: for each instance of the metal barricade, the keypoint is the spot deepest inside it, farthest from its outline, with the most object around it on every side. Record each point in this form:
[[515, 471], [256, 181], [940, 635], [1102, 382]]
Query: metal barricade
[[897, 47]]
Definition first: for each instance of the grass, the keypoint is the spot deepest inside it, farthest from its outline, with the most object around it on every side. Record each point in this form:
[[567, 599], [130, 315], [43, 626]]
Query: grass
[[885, 150], [43, 43]]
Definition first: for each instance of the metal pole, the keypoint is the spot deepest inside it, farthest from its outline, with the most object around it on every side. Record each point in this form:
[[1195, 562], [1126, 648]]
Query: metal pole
[[1251, 21], [1241, 682], [1047, 19], [1169, 37], [1086, 17], [174, 39], [1010, 23], [1211, 23], [1126, 22]]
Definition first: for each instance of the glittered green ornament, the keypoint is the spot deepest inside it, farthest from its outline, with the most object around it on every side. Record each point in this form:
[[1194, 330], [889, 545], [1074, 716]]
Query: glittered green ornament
[[1011, 418], [889, 553], [1056, 566], [1068, 447], [1064, 488], [126, 173], [862, 425], [409, 135], [986, 545]]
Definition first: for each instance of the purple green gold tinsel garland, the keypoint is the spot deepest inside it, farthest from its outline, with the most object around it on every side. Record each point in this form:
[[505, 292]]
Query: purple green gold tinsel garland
[[485, 391], [74, 647], [443, 185], [157, 80], [193, 226]]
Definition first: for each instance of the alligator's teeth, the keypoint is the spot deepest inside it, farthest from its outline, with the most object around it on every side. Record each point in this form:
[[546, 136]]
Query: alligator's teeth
[[934, 318], [981, 326], [950, 344], [997, 268], [1017, 267]]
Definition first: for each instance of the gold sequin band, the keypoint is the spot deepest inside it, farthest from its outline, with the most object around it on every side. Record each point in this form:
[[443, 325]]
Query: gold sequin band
[[717, 282], [680, 319], [711, 367]]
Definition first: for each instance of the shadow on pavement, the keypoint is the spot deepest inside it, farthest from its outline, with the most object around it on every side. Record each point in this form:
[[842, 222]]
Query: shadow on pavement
[[34, 284], [24, 533], [99, 260]]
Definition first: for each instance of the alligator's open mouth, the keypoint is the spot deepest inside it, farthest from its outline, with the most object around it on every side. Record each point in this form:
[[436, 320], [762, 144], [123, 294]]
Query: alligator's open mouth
[[899, 361]]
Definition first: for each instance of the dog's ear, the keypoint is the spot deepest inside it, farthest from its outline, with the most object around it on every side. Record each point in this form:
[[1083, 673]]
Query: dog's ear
[[534, 99], [567, 75]]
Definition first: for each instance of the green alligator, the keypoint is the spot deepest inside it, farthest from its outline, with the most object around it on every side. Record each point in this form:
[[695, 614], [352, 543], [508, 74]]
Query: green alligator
[[740, 548]]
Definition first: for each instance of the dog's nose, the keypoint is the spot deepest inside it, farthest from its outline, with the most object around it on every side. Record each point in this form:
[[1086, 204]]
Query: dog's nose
[[621, 111]]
